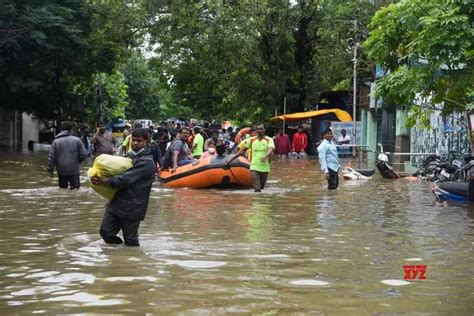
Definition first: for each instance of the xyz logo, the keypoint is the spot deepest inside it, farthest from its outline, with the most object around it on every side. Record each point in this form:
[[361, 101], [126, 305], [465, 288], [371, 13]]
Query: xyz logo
[[411, 271]]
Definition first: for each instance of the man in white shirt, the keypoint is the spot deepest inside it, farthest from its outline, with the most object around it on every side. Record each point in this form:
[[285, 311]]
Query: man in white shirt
[[344, 139]]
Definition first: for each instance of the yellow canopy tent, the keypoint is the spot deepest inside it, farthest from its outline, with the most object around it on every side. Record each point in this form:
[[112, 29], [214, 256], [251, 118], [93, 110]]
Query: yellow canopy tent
[[342, 115]]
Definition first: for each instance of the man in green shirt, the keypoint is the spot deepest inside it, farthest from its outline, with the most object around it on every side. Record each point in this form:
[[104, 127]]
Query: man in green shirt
[[198, 143], [261, 148]]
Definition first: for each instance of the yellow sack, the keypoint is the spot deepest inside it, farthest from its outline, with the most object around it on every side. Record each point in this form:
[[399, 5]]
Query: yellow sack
[[108, 166]]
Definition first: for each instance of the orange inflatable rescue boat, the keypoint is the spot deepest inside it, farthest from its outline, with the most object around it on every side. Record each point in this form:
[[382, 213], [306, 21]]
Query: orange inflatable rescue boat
[[210, 172]]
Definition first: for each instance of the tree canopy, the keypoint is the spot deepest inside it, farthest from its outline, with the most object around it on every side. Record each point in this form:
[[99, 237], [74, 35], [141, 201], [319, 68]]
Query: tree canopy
[[426, 49], [241, 58], [49, 47], [153, 58]]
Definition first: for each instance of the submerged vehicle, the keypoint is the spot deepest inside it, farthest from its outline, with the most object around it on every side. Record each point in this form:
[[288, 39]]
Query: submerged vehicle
[[383, 165], [456, 190], [357, 174], [211, 172]]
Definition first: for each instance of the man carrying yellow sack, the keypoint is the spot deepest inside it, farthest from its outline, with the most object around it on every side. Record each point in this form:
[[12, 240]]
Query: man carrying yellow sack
[[128, 207]]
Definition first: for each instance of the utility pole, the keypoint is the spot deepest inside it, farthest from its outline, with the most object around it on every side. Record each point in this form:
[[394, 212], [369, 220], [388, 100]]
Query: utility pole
[[354, 89]]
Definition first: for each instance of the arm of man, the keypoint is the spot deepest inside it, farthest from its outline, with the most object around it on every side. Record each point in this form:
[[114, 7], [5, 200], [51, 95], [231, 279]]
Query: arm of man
[[305, 141], [175, 158], [322, 149], [156, 152], [142, 170], [271, 148], [243, 147], [237, 154], [82, 151], [52, 159], [341, 141], [288, 143], [94, 137]]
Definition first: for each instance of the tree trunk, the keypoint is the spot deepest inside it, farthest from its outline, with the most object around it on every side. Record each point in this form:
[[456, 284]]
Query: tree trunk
[[305, 44]]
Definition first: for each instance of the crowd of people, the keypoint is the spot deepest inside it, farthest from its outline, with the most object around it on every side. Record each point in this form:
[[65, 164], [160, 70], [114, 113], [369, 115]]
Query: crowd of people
[[169, 147], [175, 144]]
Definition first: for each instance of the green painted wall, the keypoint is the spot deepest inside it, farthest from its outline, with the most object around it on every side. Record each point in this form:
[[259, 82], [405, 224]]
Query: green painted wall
[[371, 137], [401, 129], [363, 139]]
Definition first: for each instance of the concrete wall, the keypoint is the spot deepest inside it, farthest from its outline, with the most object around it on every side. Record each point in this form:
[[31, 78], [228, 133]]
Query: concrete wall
[[402, 140], [369, 134], [18, 128], [30, 129]]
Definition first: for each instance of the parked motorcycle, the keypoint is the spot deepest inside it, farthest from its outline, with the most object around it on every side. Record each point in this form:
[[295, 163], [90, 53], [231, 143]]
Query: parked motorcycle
[[456, 190], [451, 168], [357, 174], [383, 165]]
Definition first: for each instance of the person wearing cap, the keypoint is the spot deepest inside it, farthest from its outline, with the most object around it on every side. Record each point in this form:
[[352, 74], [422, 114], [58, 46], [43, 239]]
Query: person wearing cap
[[328, 159]]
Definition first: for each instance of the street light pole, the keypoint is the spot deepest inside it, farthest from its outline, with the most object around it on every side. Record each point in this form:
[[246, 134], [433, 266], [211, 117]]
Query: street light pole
[[354, 89]]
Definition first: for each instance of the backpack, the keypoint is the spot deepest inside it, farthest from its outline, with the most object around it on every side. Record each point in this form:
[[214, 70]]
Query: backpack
[[168, 156]]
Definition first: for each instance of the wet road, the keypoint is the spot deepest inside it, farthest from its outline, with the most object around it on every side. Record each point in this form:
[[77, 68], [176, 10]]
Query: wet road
[[295, 249]]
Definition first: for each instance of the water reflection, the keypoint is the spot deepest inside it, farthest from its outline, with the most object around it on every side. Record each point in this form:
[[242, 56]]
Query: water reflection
[[296, 248], [259, 221]]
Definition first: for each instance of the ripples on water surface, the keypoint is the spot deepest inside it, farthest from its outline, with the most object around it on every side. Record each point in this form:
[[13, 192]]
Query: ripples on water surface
[[295, 249]]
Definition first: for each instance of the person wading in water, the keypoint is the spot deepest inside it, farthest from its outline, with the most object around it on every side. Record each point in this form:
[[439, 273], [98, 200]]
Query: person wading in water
[[328, 159], [262, 147], [67, 152], [128, 207]]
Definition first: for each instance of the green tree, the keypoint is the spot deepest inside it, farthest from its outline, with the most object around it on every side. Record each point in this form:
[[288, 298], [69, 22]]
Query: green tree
[[49, 47], [426, 47], [144, 88], [239, 59], [343, 25], [104, 99]]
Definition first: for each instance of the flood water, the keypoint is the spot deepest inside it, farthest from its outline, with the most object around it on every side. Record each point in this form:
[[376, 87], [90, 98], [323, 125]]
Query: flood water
[[295, 249]]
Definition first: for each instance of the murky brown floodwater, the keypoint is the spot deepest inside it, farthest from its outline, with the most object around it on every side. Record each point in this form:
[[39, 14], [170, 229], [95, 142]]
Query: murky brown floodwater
[[296, 249]]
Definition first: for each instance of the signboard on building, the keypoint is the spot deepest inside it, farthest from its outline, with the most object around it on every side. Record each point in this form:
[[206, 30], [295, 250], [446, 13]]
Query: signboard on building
[[348, 126]]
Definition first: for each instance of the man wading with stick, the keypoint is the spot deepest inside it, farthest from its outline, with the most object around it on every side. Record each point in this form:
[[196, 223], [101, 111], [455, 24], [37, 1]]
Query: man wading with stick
[[261, 147]]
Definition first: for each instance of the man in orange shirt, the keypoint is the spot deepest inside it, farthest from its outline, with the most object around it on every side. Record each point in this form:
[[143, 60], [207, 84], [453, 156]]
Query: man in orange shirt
[[300, 141]]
